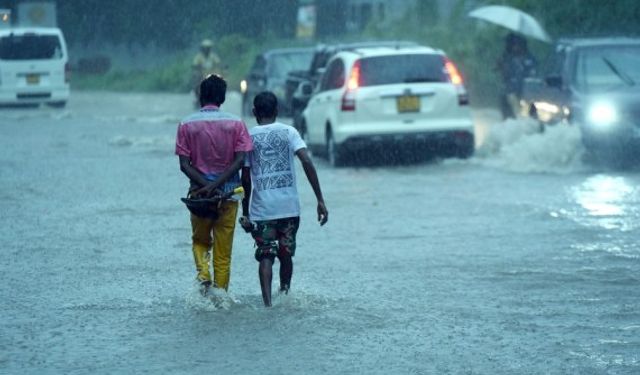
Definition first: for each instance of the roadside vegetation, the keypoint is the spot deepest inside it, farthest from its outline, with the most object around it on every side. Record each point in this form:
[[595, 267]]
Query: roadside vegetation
[[236, 51], [473, 45]]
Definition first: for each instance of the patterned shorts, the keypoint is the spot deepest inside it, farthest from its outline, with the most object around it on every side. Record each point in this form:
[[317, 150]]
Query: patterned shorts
[[275, 238]]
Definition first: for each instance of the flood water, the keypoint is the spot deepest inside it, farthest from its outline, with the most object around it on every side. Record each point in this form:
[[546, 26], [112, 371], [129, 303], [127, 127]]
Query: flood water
[[521, 260]]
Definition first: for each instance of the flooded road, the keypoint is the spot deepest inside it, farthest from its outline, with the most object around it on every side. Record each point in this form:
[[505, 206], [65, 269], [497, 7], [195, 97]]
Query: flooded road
[[520, 260]]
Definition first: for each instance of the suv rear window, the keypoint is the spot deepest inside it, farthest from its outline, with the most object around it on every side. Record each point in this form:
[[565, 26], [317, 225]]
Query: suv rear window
[[386, 70], [30, 47]]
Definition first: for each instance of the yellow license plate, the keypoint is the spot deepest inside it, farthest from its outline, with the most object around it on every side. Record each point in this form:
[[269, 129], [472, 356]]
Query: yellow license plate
[[408, 103], [33, 79]]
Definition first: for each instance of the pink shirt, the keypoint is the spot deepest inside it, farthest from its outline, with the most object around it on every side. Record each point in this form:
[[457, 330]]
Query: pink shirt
[[210, 138]]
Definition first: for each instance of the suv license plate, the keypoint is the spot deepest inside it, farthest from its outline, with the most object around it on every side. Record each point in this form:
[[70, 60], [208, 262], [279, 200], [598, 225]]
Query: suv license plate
[[408, 103], [33, 79]]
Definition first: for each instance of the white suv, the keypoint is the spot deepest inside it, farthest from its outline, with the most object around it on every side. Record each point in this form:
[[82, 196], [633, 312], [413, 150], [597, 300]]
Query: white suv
[[374, 99], [34, 66]]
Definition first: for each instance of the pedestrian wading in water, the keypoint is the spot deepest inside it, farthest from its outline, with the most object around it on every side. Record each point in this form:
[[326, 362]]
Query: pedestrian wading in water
[[211, 145], [271, 207]]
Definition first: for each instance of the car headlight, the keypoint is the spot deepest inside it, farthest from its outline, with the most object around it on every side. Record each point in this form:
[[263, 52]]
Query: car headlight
[[603, 114], [243, 86]]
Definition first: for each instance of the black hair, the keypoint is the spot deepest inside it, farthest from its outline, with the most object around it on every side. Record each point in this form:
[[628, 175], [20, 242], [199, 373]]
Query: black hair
[[213, 90], [514, 40], [265, 105]]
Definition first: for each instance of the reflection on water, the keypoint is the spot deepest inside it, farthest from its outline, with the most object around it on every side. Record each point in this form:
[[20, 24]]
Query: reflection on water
[[608, 202]]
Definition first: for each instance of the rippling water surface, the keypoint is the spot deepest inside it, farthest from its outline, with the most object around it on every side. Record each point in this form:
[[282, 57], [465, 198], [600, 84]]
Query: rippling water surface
[[522, 260]]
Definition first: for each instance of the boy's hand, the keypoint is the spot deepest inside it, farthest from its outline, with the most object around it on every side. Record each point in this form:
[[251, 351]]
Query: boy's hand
[[323, 214], [246, 224], [208, 191]]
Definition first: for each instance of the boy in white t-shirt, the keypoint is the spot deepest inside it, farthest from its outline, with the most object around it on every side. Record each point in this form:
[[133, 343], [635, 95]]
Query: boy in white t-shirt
[[271, 207]]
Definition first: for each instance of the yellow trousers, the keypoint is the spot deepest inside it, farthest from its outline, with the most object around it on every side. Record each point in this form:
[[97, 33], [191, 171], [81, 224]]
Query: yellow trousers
[[219, 233]]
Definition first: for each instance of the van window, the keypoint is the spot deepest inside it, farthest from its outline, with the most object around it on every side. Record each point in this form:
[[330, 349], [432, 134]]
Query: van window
[[30, 47], [387, 70]]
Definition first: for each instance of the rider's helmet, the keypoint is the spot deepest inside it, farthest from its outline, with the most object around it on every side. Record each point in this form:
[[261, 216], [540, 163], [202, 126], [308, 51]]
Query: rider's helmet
[[206, 44]]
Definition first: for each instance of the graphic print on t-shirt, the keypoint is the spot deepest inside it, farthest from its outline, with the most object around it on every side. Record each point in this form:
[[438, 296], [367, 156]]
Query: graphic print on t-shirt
[[272, 162]]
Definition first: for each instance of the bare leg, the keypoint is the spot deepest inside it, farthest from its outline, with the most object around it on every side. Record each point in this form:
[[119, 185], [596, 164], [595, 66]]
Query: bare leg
[[265, 275], [286, 271]]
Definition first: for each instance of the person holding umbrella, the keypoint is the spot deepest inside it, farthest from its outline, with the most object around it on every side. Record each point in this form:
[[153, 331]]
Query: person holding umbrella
[[515, 64]]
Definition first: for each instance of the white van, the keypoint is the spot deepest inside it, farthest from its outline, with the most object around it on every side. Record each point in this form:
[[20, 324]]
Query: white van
[[34, 66]]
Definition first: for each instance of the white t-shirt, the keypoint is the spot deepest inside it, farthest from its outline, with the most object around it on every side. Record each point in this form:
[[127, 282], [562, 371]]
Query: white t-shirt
[[273, 178]]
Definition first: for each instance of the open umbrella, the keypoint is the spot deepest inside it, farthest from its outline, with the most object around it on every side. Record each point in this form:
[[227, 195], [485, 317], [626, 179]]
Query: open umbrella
[[513, 19]]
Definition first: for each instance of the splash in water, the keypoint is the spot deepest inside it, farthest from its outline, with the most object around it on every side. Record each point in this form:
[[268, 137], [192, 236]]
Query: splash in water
[[520, 146]]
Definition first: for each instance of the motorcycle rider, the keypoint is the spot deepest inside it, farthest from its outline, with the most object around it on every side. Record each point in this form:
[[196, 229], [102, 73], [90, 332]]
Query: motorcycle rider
[[205, 62]]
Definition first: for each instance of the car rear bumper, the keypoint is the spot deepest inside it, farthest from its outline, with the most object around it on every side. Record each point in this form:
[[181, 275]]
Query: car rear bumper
[[398, 132], [34, 95], [436, 141]]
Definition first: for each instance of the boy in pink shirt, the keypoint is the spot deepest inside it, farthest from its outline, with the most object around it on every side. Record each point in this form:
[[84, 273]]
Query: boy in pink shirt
[[211, 146]]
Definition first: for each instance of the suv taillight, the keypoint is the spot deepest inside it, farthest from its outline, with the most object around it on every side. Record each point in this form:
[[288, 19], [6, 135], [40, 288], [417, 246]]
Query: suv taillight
[[456, 78], [349, 96], [67, 72]]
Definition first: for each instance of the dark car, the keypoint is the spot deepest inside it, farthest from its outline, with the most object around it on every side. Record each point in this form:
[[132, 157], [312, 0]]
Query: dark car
[[269, 72], [593, 84], [301, 83]]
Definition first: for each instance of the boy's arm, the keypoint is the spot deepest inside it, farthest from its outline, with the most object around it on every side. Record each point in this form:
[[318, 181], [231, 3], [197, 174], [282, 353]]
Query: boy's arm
[[189, 170], [246, 185], [183, 150], [312, 176], [211, 186]]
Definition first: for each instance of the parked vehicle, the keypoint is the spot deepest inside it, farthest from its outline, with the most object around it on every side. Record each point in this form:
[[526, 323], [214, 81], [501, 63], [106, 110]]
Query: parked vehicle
[[301, 83], [269, 72], [594, 84], [34, 67], [372, 100]]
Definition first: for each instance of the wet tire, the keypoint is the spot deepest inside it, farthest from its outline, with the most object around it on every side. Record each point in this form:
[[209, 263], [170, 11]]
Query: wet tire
[[303, 132], [465, 152], [334, 156], [465, 146]]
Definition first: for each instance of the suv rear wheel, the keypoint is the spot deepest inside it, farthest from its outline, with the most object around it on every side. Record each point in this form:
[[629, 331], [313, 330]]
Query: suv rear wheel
[[333, 151], [465, 151], [302, 129], [465, 145]]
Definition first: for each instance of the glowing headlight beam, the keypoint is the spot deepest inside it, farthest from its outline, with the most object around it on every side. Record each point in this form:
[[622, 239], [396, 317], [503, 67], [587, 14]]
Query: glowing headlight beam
[[603, 114]]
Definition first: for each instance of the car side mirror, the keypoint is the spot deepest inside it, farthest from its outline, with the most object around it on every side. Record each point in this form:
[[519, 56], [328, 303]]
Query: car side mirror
[[304, 90], [554, 81]]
